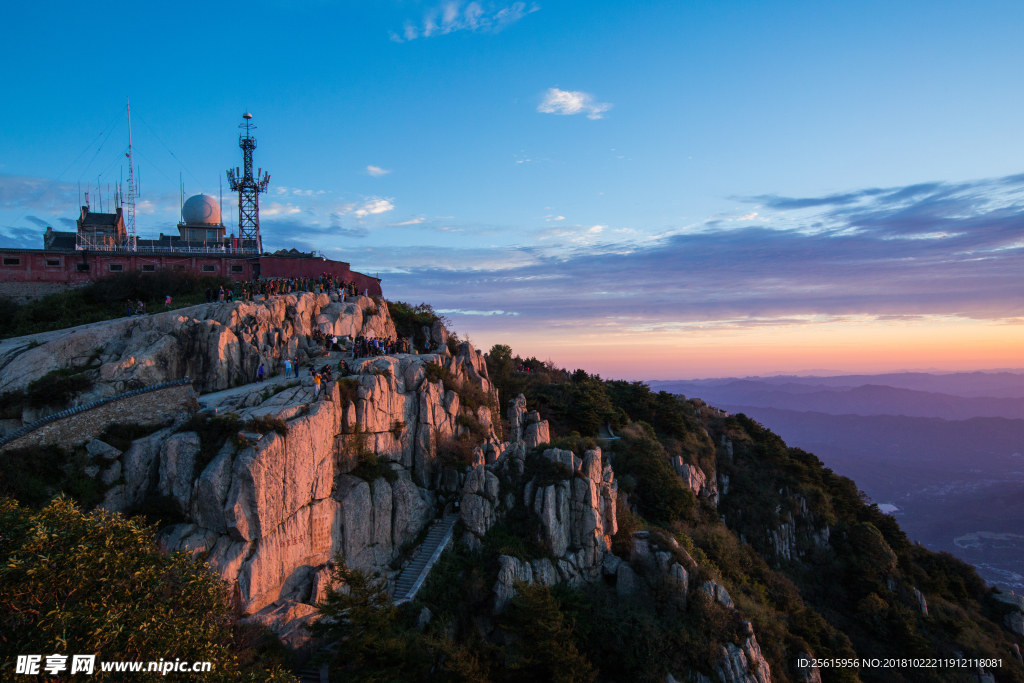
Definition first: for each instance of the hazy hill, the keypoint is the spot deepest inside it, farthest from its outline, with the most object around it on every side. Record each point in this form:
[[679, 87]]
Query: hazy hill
[[971, 384], [868, 399]]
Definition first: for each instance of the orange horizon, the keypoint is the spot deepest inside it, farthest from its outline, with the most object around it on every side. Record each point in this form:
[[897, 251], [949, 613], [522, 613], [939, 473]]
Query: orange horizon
[[717, 350]]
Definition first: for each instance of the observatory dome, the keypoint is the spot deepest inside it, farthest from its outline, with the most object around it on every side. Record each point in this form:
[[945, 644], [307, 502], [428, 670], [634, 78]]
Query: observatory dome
[[200, 210]]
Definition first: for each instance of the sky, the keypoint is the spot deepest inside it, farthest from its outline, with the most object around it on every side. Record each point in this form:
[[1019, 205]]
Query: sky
[[648, 190]]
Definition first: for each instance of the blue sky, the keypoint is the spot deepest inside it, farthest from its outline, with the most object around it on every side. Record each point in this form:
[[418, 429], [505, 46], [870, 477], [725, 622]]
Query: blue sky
[[582, 178]]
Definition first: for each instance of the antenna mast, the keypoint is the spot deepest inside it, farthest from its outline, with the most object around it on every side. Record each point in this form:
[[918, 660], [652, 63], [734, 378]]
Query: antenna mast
[[249, 189], [129, 199]]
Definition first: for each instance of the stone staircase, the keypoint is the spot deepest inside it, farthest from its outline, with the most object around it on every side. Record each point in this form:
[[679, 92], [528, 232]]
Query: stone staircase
[[407, 585], [413, 576]]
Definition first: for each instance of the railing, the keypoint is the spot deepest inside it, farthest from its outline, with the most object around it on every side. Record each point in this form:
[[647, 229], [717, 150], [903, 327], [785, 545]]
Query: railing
[[42, 422], [175, 250]]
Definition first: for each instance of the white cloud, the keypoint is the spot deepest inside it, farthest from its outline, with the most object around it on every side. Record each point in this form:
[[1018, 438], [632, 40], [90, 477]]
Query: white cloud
[[567, 102], [279, 209], [411, 221], [374, 206], [554, 218], [377, 171], [748, 217], [452, 16], [462, 311], [596, 230]]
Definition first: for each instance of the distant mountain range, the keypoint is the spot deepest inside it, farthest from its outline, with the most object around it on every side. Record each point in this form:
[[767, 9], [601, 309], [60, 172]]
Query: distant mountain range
[[969, 384], [838, 396], [946, 450]]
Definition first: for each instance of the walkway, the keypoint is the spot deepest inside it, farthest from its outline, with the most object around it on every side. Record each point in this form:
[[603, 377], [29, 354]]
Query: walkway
[[413, 576]]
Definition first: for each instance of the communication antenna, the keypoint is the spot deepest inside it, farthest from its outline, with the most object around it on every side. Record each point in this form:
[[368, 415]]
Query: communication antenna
[[249, 189], [129, 199]]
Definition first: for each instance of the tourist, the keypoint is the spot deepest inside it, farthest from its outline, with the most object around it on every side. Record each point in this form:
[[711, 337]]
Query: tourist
[[140, 308], [209, 295], [128, 308], [167, 302], [259, 374], [296, 363], [287, 367], [316, 383]]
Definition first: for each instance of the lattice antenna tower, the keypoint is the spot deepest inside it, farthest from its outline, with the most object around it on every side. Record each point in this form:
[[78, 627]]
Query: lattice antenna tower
[[128, 200], [249, 189]]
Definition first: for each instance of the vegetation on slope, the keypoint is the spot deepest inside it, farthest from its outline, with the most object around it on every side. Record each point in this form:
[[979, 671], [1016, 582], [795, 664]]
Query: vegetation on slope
[[106, 299], [77, 583]]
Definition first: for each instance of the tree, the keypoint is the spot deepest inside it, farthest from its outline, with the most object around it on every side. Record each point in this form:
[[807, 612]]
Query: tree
[[77, 583], [544, 650], [375, 645]]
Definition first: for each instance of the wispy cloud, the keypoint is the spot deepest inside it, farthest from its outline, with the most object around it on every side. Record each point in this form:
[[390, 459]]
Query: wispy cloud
[[412, 221], [279, 209], [377, 171], [474, 17], [374, 206], [952, 250], [568, 102]]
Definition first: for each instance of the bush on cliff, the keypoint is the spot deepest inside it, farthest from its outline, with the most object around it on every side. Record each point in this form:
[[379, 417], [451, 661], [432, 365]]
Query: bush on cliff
[[378, 644], [105, 299], [35, 474], [77, 583], [410, 320]]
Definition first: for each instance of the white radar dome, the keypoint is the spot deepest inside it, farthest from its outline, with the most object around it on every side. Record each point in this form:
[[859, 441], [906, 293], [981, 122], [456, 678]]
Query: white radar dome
[[201, 210]]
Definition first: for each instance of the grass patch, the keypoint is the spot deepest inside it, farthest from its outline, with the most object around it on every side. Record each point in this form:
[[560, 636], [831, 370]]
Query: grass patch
[[372, 467], [213, 434], [264, 424], [120, 435], [105, 299], [348, 388]]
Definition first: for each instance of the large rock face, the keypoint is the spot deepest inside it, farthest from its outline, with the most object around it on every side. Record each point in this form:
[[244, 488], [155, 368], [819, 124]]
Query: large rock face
[[220, 345], [270, 511]]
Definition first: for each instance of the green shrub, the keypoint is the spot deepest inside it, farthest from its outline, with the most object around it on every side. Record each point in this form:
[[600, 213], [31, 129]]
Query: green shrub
[[120, 434], [372, 467], [264, 424], [213, 431], [57, 388], [110, 592], [349, 390]]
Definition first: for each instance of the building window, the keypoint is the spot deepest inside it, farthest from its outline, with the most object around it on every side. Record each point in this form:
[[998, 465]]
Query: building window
[[82, 267], [116, 267], [149, 269], [192, 235], [12, 261], [236, 269], [53, 262], [209, 269], [211, 234], [179, 267]]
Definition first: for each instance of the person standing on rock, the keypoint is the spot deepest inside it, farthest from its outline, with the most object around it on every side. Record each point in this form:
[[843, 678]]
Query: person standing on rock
[[316, 383], [287, 367], [259, 374], [167, 302], [209, 295]]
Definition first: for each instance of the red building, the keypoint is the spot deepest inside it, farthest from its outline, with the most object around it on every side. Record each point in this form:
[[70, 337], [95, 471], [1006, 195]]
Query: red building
[[27, 274]]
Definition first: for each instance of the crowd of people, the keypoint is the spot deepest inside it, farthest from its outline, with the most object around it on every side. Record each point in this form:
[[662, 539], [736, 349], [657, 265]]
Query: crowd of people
[[246, 291], [365, 348], [140, 308]]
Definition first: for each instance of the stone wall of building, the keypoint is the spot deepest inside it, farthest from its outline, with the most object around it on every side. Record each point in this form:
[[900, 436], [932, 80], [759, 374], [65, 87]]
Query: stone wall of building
[[151, 408]]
